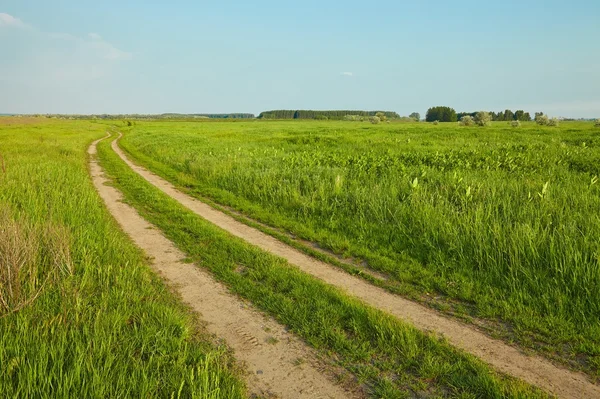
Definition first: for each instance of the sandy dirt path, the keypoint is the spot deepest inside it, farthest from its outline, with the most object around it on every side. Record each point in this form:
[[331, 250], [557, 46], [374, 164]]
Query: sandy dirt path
[[279, 364], [505, 358]]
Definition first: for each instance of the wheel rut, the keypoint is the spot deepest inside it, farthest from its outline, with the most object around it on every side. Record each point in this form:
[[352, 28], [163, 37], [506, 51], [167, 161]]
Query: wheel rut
[[533, 369], [267, 350]]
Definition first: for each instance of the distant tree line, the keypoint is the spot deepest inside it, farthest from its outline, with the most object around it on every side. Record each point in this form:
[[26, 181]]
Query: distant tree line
[[506, 115], [447, 114], [231, 116], [148, 116], [211, 116], [310, 114]]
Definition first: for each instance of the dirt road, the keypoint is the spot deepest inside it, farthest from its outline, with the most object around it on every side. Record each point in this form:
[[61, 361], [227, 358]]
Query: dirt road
[[279, 364]]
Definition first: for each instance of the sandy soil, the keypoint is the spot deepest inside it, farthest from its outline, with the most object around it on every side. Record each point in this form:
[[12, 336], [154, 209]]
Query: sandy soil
[[505, 358], [278, 363]]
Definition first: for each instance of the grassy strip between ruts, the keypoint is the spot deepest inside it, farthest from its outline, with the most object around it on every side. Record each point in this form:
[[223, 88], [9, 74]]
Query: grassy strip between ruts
[[389, 356], [84, 316]]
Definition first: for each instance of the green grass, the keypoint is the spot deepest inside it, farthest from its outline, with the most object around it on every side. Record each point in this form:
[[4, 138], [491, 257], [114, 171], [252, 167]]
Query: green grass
[[392, 358], [503, 223], [90, 319]]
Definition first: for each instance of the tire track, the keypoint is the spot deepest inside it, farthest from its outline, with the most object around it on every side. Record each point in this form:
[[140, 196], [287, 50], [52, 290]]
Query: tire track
[[264, 346], [533, 369]]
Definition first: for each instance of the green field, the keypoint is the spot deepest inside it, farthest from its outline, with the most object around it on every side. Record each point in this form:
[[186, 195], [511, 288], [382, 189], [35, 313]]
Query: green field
[[498, 225], [81, 314], [494, 225], [387, 357]]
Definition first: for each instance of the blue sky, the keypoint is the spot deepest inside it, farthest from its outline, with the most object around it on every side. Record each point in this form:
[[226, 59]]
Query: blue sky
[[67, 56]]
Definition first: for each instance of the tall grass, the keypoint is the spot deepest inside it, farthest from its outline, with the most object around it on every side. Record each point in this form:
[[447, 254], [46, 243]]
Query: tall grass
[[31, 257], [502, 220], [390, 357], [81, 314]]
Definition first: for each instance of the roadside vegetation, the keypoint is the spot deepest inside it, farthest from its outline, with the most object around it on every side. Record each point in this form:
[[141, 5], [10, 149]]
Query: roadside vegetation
[[496, 225], [81, 313], [389, 357]]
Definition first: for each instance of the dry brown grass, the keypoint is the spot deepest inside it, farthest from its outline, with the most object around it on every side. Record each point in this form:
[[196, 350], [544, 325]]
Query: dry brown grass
[[2, 164], [31, 257], [18, 121]]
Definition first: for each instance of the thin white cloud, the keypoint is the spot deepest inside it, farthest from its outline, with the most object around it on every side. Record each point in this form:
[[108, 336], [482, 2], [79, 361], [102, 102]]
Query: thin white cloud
[[92, 43], [10, 21], [110, 52], [57, 59], [347, 74]]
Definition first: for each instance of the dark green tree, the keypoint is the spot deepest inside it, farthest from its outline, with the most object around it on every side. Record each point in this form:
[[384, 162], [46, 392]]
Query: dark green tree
[[519, 115], [442, 114], [509, 115]]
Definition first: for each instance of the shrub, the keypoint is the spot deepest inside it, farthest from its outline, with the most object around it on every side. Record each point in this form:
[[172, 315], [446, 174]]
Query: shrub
[[354, 118], [436, 122], [597, 123], [515, 123], [541, 119], [374, 120], [553, 122], [483, 118], [467, 121], [381, 116]]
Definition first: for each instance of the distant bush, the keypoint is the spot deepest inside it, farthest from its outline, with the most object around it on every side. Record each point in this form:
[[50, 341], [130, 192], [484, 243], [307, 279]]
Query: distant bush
[[467, 121], [515, 123], [416, 116], [321, 117], [374, 120], [597, 123], [541, 119], [436, 122], [483, 118], [553, 122], [381, 116], [355, 118]]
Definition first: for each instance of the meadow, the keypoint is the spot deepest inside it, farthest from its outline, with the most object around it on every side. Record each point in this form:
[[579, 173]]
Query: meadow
[[81, 313], [386, 357], [496, 225]]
